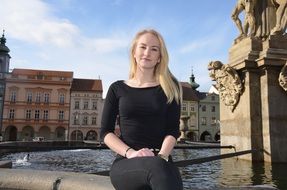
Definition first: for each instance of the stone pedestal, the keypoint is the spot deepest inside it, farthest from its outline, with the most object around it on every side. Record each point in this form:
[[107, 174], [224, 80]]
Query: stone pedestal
[[183, 127], [259, 120]]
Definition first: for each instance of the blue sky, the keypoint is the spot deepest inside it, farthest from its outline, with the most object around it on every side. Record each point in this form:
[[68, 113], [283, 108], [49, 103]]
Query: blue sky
[[92, 37]]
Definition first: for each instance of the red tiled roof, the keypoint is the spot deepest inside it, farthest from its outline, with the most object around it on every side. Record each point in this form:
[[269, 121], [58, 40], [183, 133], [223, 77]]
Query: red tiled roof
[[188, 93], [18, 71], [87, 85]]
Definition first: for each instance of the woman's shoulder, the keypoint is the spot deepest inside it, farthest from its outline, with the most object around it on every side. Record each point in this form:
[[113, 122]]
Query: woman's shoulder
[[117, 84]]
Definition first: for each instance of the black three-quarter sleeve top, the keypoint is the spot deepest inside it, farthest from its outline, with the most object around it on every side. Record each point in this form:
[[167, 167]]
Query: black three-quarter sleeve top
[[145, 117]]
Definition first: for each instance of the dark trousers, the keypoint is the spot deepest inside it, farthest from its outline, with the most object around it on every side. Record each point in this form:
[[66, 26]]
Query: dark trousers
[[145, 173]]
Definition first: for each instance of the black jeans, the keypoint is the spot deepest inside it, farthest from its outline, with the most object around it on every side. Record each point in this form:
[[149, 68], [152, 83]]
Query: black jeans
[[145, 173]]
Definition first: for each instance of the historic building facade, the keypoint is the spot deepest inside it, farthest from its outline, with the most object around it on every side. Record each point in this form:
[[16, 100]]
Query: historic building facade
[[209, 126], [201, 110], [36, 103], [86, 109], [189, 110]]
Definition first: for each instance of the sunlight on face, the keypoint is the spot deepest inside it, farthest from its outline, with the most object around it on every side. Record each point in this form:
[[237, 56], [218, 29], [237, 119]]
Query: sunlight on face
[[147, 51]]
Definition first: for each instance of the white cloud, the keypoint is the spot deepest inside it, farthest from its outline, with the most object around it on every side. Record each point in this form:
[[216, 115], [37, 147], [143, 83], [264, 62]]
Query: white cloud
[[104, 45], [32, 21], [195, 45]]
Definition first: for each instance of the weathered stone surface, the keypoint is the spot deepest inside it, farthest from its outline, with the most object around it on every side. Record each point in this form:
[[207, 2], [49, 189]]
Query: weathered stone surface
[[46, 180], [259, 120], [6, 164]]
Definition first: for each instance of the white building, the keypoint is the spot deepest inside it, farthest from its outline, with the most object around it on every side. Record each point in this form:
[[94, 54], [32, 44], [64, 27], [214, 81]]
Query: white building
[[86, 109]]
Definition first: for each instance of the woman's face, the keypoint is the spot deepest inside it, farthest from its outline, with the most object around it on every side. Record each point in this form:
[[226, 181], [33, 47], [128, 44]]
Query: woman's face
[[147, 51]]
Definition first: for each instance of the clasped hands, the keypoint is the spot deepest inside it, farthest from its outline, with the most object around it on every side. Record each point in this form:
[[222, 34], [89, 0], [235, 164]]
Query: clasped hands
[[140, 153]]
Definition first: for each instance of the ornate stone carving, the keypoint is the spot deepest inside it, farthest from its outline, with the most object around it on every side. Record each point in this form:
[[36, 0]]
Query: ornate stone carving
[[262, 18], [283, 77], [228, 83], [281, 16], [248, 26]]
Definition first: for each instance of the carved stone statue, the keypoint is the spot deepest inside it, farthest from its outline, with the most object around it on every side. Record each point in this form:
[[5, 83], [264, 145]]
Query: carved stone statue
[[283, 77], [228, 83], [265, 15], [248, 27], [281, 17], [262, 18]]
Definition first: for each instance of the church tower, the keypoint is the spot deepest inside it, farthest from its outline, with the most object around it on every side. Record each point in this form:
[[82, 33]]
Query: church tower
[[4, 69], [192, 82], [4, 56]]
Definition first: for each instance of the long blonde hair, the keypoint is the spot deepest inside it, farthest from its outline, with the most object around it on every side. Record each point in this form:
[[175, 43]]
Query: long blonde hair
[[167, 81]]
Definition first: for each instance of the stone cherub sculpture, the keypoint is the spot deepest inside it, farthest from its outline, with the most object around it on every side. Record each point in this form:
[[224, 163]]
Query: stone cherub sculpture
[[228, 83]]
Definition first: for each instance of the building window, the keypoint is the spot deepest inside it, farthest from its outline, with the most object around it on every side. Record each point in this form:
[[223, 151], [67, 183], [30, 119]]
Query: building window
[[28, 114], [212, 108], [11, 114], [37, 114], [203, 121], [13, 96], [203, 108], [77, 105], [192, 109], [86, 105], [46, 98], [213, 98], [94, 105], [38, 97], [183, 107], [61, 115], [46, 114], [94, 120], [213, 120], [29, 97], [62, 99], [85, 120], [76, 120]]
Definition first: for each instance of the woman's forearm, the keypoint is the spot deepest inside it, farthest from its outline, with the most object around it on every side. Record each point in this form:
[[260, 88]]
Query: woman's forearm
[[116, 144], [167, 145]]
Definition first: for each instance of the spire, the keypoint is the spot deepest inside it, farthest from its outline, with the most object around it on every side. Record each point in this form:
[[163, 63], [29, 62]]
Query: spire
[[3, 47], [3, 39], [193, 84]]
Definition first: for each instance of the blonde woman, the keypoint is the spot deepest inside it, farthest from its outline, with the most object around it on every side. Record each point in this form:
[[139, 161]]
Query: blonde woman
[[148, 106]]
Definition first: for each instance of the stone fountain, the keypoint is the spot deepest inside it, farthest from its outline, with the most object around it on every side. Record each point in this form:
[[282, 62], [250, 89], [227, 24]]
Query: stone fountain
[[253, 84]]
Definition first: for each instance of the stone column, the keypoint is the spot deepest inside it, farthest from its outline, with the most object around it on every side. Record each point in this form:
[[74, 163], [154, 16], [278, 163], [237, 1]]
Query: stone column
[[242, 126], [274, 98], [259, 119]]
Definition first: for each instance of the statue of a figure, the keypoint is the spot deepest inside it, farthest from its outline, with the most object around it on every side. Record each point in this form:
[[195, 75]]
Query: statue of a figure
[[265, 15], [248, 27], [262, 18], [281, 17]]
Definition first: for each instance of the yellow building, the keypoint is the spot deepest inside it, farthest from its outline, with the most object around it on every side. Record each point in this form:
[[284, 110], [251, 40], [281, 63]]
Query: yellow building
[[36, 104]]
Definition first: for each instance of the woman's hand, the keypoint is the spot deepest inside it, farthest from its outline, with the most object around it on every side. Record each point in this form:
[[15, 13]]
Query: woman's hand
[[140, 153]]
